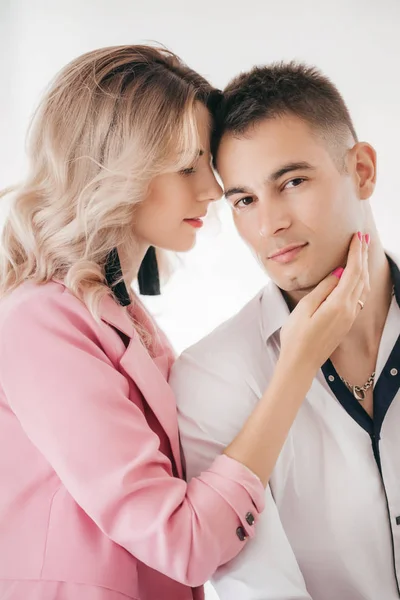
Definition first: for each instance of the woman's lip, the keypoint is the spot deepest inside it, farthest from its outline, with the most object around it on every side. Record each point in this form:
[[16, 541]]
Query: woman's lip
[[287, 255], [197, 223]]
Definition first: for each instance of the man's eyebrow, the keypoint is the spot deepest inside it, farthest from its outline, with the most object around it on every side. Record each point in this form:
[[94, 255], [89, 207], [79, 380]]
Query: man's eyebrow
[[235, 190], [288, 168]]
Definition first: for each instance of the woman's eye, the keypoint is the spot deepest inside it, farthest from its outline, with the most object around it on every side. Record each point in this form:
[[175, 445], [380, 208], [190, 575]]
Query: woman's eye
[[244, 202], [188, 171], [294, 182]]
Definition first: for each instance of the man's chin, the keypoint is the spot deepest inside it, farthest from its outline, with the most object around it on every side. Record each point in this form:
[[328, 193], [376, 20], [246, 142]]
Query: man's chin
[[298, 290], [301, 282], [294, 285]]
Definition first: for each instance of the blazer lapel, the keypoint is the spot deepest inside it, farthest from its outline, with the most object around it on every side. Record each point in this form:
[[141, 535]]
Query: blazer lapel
[[149, 378], [139, 365]]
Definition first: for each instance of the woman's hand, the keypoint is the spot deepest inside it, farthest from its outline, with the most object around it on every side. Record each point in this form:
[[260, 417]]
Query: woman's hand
[[322, 319]]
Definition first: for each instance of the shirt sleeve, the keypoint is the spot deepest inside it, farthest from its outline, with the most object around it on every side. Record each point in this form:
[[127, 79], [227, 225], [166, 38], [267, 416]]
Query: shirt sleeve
[[77, 408], [213, 403]]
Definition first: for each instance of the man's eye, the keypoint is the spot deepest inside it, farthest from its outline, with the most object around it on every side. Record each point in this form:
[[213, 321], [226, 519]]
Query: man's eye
[[244, 202], [294, 182]]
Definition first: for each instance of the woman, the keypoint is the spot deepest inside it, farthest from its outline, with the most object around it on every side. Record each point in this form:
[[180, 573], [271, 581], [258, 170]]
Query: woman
[[92, 503]]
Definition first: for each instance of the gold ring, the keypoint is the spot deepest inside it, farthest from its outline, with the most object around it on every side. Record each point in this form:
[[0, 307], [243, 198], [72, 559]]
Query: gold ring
[[361, 303]]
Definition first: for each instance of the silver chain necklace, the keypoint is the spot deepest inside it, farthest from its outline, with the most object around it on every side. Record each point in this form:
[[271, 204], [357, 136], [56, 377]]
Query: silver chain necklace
[[357, 390]]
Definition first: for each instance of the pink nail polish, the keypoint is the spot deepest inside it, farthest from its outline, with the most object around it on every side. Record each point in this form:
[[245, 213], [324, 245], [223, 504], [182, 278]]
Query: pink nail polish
[[360, 237], [367, 238], [338, 272]]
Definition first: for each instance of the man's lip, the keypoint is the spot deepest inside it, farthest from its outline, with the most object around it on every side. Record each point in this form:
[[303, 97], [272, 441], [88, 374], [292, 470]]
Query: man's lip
[[286, 249]]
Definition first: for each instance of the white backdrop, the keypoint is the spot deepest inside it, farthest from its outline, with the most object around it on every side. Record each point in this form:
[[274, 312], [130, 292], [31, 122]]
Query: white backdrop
[[355, 42]]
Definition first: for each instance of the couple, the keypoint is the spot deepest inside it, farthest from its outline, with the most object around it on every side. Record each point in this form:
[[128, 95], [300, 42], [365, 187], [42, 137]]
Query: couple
[[292, 469]]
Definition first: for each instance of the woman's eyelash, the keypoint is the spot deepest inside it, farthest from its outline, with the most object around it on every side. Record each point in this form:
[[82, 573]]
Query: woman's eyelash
[[188, 171]]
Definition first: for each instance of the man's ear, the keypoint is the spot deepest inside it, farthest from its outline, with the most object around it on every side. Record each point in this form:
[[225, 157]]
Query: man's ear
[[361, 164]]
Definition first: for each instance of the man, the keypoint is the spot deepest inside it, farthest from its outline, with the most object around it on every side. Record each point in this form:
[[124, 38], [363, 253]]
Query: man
[[299, 183]]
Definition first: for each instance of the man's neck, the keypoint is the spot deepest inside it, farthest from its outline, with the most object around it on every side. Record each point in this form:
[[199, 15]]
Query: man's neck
[[355, 359]]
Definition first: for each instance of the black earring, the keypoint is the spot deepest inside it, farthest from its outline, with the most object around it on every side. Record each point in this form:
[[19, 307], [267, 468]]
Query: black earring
[[148, 276], [114, 277]]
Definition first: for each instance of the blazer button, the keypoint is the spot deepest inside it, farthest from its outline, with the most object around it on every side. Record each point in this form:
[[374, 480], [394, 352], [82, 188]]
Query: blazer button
[[250, 518], [240, 532]]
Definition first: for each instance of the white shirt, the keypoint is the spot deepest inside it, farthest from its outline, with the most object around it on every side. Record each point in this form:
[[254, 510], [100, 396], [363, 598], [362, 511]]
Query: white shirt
[[331, 526]]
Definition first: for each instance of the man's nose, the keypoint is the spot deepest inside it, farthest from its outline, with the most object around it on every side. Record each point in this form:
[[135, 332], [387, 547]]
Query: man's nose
[[273, 218]]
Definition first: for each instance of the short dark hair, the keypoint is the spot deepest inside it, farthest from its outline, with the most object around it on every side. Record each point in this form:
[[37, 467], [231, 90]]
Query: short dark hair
[[283, 89]]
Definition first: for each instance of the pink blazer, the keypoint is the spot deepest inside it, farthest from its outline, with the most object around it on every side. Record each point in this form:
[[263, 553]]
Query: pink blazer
[[91, 495]]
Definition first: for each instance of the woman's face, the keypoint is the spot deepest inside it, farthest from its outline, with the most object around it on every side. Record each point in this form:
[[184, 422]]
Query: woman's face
[[176, 204]]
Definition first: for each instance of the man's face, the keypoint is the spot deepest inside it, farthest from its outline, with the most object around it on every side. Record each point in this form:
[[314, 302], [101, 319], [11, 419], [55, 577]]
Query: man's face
[[292, 203]]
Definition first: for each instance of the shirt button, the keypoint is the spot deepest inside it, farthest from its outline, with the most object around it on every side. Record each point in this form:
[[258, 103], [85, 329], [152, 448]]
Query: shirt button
[[250, 518], [393, 372], [240, 532], [331, 378]]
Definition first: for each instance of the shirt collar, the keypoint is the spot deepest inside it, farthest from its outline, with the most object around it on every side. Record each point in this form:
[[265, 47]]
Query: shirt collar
[[395, 273], [275, 311]]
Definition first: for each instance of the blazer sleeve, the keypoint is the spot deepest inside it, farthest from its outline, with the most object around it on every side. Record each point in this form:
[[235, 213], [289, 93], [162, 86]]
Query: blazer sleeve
[[74, 406]]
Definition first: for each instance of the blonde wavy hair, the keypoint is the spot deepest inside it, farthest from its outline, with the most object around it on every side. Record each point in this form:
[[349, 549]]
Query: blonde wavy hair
[[110, 122]]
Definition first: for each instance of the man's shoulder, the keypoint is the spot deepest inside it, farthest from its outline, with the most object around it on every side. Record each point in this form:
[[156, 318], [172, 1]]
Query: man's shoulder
[[230, 353], [211, 378], [242, 328]]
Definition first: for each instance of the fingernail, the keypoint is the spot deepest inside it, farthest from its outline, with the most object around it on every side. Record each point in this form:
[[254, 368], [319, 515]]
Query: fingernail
[[338, 272], [367, 238], [359, 236]]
